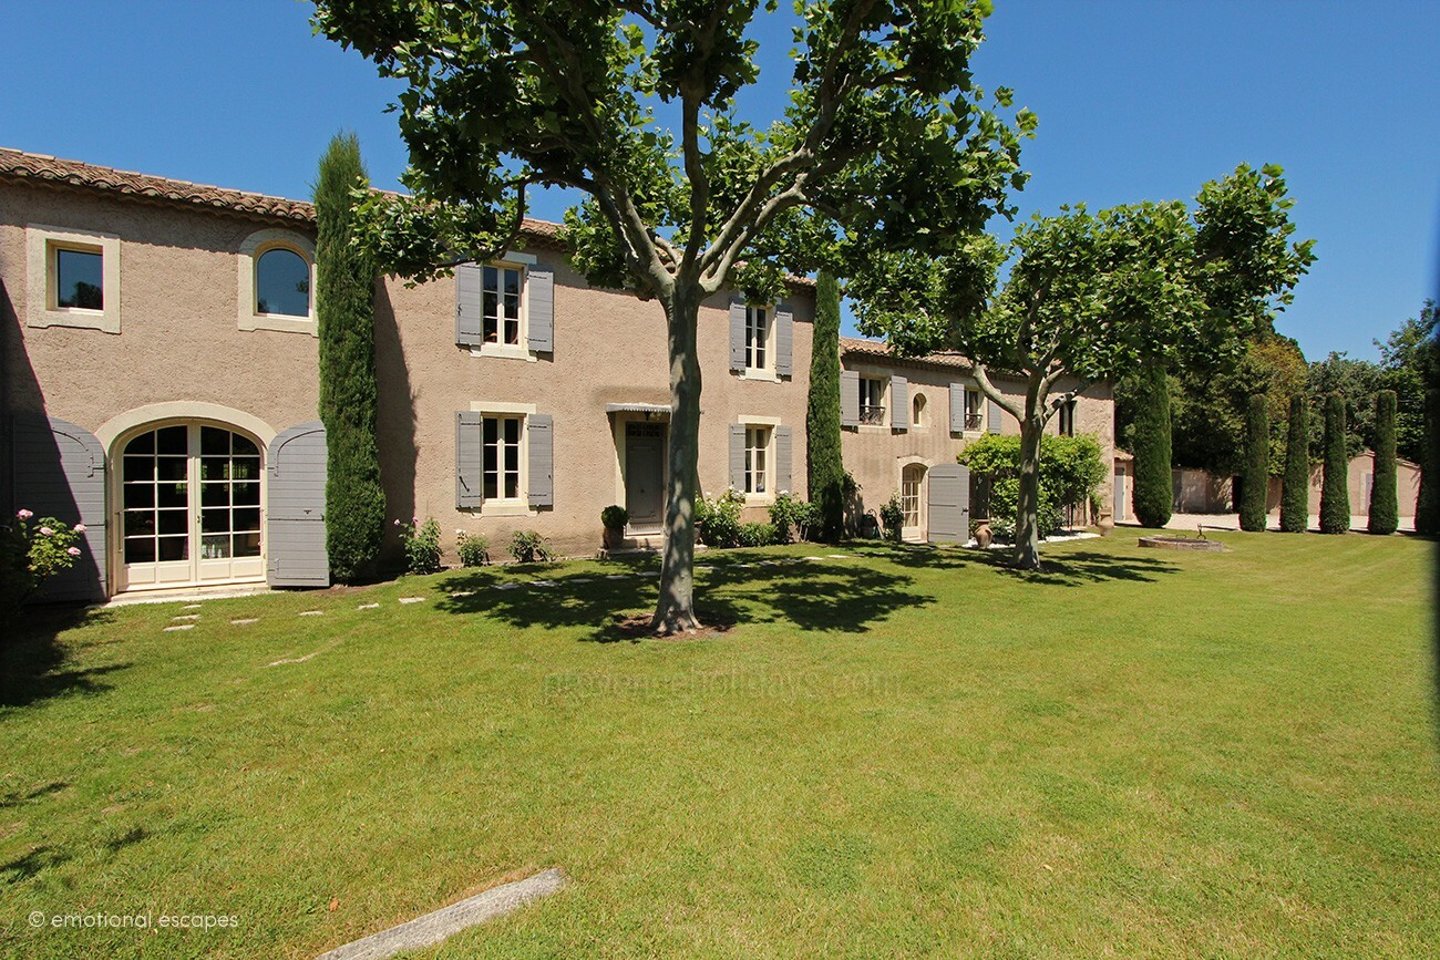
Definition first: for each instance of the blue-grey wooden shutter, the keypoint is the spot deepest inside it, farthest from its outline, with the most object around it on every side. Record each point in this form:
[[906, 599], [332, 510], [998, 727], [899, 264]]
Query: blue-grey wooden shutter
[[948, 512], [784, 340], [540, 283], [849, 398], [784, 452], [59, 471], [295, 508], [468, 492], [957, 408], [467, 305], [899, 403], [737, 456], [994, 416], [541, 428], [737, 335]]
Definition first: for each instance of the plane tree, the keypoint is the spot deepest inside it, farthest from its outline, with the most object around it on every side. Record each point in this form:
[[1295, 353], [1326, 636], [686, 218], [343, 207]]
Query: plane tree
[[1080, 297], [884, 140]]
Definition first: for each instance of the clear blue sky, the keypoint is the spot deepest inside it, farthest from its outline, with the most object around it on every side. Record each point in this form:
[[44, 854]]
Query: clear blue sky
[[1137, 100]]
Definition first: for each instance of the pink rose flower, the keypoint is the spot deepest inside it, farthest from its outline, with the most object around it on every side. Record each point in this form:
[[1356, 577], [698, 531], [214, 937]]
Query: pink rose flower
[[47, 532], [73, 551], [24, 514], [79, 528]]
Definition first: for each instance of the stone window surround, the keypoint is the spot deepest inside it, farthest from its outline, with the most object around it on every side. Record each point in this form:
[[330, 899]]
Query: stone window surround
[[251, 249], [41, 242], [515, 506], [768, 371], [770, 423], [514, 260]]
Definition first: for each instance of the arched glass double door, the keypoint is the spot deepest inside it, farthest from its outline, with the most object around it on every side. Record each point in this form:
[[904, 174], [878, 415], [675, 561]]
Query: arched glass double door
[[190, 497]]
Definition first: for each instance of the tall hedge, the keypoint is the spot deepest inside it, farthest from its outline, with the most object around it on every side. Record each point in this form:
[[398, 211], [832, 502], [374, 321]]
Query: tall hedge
[[1384, 493], [1255, 481], [1295, 485], [826, 469], [1427, 511], [1335, 488], [1151, 438], [345, 309]]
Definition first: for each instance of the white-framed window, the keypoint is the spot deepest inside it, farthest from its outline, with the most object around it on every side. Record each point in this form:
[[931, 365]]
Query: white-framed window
[[759, 331], [758, 459], [872, 399], [1067, 418], [501, 446], [277, 282], [911, 478], [73, 278], [502, 290], [974, 410]]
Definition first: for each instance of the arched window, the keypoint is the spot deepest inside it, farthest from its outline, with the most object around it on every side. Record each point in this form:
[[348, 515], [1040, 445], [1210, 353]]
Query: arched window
[[282, 283], [919, 417]]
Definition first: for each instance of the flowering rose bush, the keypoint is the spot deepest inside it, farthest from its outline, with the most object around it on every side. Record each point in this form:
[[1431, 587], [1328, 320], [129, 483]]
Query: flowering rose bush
[[32, 551], [422, 544]]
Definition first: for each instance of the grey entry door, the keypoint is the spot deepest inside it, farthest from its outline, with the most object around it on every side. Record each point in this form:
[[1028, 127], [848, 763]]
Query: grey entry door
[[645, 474]]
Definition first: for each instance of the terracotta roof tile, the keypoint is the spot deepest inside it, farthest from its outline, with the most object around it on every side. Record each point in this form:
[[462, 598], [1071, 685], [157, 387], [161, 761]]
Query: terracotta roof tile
[[858, 346]]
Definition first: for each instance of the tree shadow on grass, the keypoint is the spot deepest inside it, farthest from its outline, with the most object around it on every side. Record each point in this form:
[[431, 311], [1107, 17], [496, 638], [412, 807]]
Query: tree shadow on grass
[[1068, 568], [739, 587], [33, 664]]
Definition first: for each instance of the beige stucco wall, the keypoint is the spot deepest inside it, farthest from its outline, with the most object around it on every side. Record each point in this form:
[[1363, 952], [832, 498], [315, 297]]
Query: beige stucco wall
[[609, 348], [876, 454], [1407, 478]]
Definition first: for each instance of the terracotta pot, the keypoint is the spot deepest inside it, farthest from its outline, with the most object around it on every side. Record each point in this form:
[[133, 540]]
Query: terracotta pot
[[613, 537], [1106, 524], [983, 534]]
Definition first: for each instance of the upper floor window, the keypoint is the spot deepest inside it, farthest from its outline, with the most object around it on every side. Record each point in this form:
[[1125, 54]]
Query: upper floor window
[[757, 338], [872, 400], [79, 279], [918, 413], [282, 283], [500, 304], [73, 278], [973, 418], [1067, 418], [277, 282]]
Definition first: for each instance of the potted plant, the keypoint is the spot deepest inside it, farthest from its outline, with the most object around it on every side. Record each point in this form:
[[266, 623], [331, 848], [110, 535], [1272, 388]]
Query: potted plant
[[613, 518]]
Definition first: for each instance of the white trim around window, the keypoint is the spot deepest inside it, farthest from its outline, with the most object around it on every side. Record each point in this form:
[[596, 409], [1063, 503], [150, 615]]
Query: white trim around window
[[760, 343], [255, 246], [754, 424], [503, 506], [43, 245], [520, 349]]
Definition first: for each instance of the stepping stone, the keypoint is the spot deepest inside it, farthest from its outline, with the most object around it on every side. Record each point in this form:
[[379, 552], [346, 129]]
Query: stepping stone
[[542, 583], [508, 586], [312, 613], [368, 606], [579, 580], [187, 616], [838, 556], [463, 593], [412, 599], [191, 606], [245, 621], [617, 576], [180, 626], [816, 559]]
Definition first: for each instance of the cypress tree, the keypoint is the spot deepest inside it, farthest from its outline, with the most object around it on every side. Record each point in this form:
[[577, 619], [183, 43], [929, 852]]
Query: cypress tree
[[345, 310], [825, 468], [1384, 494], [1255, 481], [1153, 487], [1427, 511], [1295, 489], [1334, 489]]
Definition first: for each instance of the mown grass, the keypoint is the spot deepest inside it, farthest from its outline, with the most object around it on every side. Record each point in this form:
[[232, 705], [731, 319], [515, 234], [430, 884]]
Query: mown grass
[[903, 752]]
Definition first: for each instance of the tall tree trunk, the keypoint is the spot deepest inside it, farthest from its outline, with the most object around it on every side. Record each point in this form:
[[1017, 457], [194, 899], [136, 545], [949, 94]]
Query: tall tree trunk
[[675, 611], [1027, 513]]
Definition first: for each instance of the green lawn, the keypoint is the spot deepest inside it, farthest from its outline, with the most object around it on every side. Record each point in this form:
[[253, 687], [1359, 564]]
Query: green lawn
[[903, 752]]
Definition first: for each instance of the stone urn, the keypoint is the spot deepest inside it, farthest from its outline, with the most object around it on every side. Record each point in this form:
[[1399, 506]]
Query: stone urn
[[984, 536], [1106, 524], [613, 537]]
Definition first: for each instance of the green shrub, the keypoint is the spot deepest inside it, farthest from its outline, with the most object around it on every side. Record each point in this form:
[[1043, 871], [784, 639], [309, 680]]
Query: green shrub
[[826, 470], [757, 534], [527, 546], [1335, 487], [614, 517], [1255, 481], [422, 545], [473, 548], [1384, 493], [1427, 510], [1154, 489], [1295, 489], [793, 518], [892, 518], [1071, 471], [718, 521], [31, 552], [345, 318]]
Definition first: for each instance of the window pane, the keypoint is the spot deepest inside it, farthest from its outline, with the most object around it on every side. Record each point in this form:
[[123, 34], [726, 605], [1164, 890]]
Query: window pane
[[172, 468], [171, 495], [245, 494], [490, 488], [282, 284], [172, 440], [215, 520], [174, 522], [140, 468], [243, 446], [512, 283], [79, 279], [247, 544], [512, 485], [139, 523], [512, 430], [174, 548], [214, 495], [247, 519], [214, 441], [215, 547], [492, 279], [140, 550], [145, 443], [139, 495], [245, 468], [512, 307]]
